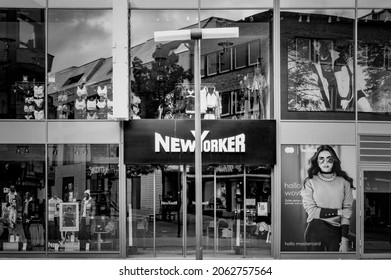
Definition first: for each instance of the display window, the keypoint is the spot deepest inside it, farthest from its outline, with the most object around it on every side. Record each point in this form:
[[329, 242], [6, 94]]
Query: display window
[[80, 70], [22, 64], [317, 65], [22, 181], [318, 199], [83, 198], [162, 73]]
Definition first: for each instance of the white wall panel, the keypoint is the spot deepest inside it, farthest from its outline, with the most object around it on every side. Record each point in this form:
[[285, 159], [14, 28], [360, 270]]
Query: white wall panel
[[318, 133], [374, 128], [84, 132], [22, 132]]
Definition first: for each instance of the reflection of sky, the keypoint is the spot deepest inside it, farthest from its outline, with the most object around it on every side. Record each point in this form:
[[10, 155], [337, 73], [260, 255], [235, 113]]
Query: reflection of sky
[[144, 23], [78, 37]]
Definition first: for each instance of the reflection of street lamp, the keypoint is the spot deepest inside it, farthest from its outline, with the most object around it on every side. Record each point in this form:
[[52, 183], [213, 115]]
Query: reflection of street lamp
[[197, 34]]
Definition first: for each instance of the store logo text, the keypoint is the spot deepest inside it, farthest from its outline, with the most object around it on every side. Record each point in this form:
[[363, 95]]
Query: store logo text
[[233, 144]]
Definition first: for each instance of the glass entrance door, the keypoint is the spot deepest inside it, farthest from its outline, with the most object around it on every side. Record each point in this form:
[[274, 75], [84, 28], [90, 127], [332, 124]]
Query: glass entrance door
[[235, 211], [376, 209], [236, 216]]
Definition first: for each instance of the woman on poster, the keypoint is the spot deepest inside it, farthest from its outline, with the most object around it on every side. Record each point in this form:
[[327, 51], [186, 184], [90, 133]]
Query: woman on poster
[[327, 198]]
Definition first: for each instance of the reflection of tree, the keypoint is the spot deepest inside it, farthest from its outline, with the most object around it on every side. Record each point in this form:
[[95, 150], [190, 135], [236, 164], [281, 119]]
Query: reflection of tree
[[377, 80], [151, 84], [303, 90]]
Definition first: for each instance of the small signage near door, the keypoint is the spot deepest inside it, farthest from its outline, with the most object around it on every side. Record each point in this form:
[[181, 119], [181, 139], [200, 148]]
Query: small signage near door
[[222, 141]]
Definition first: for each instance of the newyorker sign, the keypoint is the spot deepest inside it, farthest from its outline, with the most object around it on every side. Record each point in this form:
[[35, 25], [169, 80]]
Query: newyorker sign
[[223, 142]]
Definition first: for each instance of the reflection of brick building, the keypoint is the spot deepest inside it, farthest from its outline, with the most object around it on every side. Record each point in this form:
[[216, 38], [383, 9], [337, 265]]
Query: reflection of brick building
[[22, 57]]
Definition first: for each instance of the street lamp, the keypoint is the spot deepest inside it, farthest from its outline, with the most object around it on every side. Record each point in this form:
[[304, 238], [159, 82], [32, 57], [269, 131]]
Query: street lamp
[[197, 34]]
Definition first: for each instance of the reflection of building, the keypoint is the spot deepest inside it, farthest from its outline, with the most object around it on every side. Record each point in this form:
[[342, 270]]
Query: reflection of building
[[94, 75], [22, 57], [236, 68], [146, 199]]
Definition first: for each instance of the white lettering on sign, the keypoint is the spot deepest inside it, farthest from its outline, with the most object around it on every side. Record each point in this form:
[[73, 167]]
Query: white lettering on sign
[[233, 144]]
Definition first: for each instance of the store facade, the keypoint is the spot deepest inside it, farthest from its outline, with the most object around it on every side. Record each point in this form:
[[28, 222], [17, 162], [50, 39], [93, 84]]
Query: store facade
[[97, 126]]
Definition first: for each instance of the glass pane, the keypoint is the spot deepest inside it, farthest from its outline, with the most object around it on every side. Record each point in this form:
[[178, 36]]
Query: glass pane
[[83, 198], [373, 63], [317, 63], [22, 64], [80, 68], [377, 212], [258, 212], [140, 186], [247, 82], [22, 224], [163, 77], [159, 70], [155, 211]]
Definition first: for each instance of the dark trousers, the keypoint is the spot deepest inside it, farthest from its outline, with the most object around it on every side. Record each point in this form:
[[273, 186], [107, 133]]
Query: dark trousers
[[54, 230], [84, 233], [322, 236]]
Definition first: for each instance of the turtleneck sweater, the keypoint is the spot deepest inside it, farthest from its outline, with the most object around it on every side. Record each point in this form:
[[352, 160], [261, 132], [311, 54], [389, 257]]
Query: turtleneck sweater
[[318, 194]]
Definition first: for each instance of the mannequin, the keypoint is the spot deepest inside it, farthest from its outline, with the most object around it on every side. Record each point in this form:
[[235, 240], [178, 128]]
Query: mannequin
[[53, 218], [87, 215], [69, 193], [27, 214], [13, 194], [212, 103]]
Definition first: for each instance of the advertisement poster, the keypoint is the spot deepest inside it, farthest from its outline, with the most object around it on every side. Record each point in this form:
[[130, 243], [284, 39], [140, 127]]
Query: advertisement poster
[[320, 76], [69, 216], [295, 163]]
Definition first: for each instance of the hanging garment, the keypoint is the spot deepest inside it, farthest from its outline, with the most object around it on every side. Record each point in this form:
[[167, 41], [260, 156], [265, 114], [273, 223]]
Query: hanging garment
[[190, 102], [39, 115], [102, 92], [63, 108], [38, 92], [62, 98], [92, 116], [38, 102], [101, 104], [203, 93], [81, 91], [80, 104], [91, 105], [29, 108], [29, 100], [110, 104]]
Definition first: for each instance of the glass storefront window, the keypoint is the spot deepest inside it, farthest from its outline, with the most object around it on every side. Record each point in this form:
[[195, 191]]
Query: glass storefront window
[[374, 65], [317, 54], [376, 218], [235, 69], [22, 64], [22, 181], [80, 70], [83, 197], [161, 214]]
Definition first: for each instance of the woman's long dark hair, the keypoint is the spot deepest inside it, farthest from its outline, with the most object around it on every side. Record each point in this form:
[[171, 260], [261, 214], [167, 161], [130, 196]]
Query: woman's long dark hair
[[315, 169]]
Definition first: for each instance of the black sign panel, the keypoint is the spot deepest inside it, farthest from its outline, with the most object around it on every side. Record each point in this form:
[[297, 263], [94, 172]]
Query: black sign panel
[[223, 142]]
